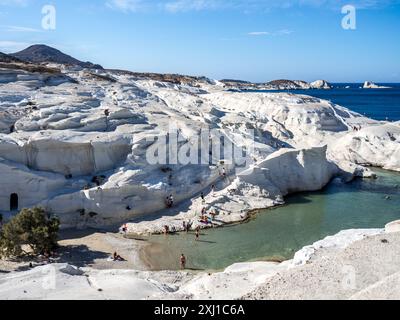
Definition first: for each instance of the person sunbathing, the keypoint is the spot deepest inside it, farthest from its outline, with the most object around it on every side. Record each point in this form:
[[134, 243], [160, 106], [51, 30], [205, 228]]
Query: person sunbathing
[[117, 257]]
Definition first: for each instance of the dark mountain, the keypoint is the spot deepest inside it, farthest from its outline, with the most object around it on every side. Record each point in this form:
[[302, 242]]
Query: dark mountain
[[41, 53], [7, 58]]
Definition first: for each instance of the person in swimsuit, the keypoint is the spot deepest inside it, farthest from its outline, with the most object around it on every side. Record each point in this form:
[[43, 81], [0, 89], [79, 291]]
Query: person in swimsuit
[[183, 262]]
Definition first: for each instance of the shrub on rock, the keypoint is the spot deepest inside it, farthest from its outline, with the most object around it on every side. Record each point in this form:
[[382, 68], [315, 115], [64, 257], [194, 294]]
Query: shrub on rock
[[31, 227]]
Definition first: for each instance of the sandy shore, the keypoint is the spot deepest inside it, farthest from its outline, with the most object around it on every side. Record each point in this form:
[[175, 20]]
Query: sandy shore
[[89, 248]]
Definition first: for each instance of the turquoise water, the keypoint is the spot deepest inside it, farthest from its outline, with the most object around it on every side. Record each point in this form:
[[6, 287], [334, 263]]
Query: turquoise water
[[278, 233]]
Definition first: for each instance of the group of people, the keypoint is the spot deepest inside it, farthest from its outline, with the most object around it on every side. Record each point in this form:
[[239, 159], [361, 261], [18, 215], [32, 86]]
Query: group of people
[[204, 218], [357, 128], [187, 226], [168, 230]]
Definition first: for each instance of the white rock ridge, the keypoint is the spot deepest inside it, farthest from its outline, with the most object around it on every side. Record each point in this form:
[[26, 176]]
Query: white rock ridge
[[377, 146], [76, 142]]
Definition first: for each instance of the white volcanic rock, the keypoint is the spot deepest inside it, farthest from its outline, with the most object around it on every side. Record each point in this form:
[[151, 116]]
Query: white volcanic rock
[[292, 171], [30, 186], [377, 146], [94, 132], [393, 227], [67, 153], [51, 282], [41, 79], [235, 281], [386, 289], [303, 84], [261, 186], [371, 85], [320, 84], [279, 85], [337, 242]]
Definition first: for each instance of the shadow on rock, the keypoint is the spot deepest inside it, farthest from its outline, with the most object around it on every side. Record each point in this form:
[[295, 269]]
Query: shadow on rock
[[79, 255]]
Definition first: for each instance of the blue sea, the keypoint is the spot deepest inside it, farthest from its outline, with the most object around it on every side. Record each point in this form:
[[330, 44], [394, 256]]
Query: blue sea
[[378, 104]]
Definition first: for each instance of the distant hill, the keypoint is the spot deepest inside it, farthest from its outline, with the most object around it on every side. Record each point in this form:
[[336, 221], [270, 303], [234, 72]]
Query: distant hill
[[285, 83], [164, 77], [41, 53], [7, 58], [234, 81]]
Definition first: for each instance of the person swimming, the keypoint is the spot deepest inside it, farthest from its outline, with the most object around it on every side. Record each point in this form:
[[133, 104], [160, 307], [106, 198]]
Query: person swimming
[[183, 261]]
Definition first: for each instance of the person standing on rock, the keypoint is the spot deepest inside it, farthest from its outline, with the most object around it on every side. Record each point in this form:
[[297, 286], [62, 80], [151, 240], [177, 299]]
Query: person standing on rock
[[223, 173], [124, 228], [183, 262], [213, 189]]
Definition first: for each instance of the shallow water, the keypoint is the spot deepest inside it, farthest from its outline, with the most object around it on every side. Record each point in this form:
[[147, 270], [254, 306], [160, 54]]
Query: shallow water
[[278, 233]]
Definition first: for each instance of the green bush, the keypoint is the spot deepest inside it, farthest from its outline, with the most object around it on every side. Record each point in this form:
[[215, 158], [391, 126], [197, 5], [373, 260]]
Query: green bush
[[30, 227]]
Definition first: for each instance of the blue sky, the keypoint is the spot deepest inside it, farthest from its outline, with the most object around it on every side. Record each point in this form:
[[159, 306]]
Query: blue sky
[[256, 40]]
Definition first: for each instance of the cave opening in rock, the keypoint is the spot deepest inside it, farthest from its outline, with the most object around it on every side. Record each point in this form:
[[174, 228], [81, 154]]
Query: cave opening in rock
[[13, 202]]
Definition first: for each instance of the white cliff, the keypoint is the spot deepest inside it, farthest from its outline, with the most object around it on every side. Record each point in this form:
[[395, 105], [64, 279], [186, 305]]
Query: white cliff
[[77, 142], [377, 146]]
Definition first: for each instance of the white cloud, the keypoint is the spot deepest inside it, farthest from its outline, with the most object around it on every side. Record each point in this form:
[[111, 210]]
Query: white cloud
[[258, 33], [176, 6], [282, 32], [191, 5], [20, 29], [20, 3], [126, 5]]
